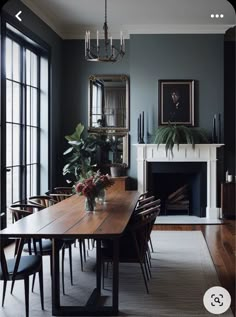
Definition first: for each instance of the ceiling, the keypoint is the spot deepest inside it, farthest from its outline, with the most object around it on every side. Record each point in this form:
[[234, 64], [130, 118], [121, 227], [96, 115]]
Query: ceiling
[[70, 18]]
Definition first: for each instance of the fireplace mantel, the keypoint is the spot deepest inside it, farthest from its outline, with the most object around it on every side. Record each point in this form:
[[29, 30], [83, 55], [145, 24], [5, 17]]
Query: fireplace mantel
[[185, 153]]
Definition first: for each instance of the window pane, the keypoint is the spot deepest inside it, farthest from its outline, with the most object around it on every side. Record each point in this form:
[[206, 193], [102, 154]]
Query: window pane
[[15, 184], [9, 58], [16, 103], [9, 101], [9, 144], [34, 180], [33, 145], [28, 106], [28, 171], [16, 144], [28, 80], [34, 106], [34, 70], [28, 145], [16, 61]]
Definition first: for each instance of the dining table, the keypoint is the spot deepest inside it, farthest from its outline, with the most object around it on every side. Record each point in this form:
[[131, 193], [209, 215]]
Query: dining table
[[68, 219]]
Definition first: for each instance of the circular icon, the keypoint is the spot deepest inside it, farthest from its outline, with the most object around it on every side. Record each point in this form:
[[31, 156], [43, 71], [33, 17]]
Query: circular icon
[[217, 300]]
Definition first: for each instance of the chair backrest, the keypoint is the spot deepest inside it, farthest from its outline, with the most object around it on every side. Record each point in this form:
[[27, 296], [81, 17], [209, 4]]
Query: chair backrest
[[22, 210], [63, 190], [59, 197], [144, 201], [148, 205], [43, 200], [141, 229]]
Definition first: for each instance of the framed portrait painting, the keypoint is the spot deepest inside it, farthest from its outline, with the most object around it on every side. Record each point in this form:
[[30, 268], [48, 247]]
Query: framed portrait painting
[[176, 102]]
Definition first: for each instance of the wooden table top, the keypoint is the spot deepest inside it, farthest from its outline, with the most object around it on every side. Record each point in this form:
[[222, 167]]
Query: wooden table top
[[68, 218]]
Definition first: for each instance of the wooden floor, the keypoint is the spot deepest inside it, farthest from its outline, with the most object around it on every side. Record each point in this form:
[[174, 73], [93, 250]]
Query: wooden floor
[[221, 242]]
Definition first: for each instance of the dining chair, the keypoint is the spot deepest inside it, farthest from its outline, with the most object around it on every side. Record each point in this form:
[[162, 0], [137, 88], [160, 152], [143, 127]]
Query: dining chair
[[43, 200], [21, 268], [46, 201], [63, 190], [133, 244]]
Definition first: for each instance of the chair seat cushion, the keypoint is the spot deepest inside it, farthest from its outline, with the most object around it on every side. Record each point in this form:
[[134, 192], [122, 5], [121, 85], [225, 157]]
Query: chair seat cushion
[[28, 265]]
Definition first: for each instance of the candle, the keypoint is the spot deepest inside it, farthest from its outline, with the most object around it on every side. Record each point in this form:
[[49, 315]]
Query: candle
[[214, 130], [97, 38], [138, 133], [143, 126], [140, 126], [219, 128]]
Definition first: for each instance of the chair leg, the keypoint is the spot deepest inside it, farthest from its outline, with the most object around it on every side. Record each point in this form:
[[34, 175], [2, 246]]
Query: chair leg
[[70, 259], [151, 245], [26, 280], [33, 281], [84, 250], [81, 255], [12, 286], [41, 287], [62, 270], [144, 277], [4, 292]]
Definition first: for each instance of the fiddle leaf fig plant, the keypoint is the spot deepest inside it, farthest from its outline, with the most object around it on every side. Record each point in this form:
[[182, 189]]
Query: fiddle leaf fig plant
[[176, 134], [80, 155]]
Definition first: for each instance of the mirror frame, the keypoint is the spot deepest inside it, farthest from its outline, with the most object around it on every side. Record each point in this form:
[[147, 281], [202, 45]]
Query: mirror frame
[[92, 78]]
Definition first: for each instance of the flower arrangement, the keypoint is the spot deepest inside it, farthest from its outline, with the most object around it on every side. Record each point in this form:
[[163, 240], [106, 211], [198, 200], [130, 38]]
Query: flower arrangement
[[92, 187]]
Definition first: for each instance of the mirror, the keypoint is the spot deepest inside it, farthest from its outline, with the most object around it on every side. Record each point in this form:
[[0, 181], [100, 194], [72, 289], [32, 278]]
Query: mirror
[[114, 148], [108, 102]]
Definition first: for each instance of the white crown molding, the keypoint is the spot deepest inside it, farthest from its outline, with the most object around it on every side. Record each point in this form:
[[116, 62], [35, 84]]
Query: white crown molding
[[78, 31]]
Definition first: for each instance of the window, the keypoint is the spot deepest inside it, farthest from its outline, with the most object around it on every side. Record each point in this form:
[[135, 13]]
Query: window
[[26, 102]]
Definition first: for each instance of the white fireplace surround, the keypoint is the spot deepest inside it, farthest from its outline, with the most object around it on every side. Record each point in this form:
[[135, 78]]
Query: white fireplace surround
[[201, 153]]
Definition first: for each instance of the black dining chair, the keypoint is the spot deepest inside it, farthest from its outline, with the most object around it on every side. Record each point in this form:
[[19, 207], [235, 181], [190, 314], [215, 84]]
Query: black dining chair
[[21, 268], [134, 243]]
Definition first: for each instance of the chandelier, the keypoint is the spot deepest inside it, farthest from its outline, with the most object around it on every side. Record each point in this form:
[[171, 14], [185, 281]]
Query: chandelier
[[108, 52]]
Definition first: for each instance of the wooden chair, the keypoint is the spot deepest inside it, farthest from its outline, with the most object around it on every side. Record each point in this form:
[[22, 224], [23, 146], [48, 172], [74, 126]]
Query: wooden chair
[[43, 200], [134, 243], [20, 268], [63, 190]]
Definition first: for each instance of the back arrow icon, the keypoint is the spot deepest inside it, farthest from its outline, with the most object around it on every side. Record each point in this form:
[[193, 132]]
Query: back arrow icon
[[18, 15]]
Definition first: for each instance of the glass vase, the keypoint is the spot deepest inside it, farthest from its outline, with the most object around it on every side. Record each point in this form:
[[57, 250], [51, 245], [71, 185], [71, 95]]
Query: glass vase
[[89, 204], [101, 197]]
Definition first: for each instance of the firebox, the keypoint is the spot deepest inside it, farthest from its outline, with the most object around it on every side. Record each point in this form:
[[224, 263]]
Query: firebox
[[181, 186]]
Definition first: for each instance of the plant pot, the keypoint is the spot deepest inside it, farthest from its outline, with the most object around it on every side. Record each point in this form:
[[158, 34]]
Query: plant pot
[[116, 171]]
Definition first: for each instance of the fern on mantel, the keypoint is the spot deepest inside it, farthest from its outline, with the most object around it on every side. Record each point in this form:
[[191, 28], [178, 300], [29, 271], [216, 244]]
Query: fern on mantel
[[179, 134]]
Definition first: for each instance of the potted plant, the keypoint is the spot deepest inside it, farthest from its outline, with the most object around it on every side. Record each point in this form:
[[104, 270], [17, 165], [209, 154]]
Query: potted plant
[[80, 155], [176, 134]]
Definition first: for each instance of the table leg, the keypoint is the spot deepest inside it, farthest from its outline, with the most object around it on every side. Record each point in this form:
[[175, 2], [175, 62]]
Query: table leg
[[55, 276], [115, 286]]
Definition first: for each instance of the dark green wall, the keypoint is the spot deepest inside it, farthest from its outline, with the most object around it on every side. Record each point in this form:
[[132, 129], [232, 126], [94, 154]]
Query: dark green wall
[[154, 57], [148, 59]]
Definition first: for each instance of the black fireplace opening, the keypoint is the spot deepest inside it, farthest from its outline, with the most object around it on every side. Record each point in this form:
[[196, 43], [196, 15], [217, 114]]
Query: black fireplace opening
[[181, 186]]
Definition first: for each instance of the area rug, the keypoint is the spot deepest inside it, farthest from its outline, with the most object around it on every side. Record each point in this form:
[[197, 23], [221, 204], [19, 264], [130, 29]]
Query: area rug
[[186, 220], [182, 270]]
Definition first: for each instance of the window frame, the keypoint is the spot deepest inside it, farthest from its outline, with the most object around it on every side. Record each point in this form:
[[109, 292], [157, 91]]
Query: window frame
[[32, 42]]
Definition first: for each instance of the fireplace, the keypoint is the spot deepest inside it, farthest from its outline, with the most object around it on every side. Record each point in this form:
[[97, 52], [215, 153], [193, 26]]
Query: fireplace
[[181, 186], [204, 154]]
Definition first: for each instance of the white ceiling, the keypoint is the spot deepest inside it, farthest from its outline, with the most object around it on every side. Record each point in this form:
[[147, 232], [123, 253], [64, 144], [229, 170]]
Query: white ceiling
[[70, 18]]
